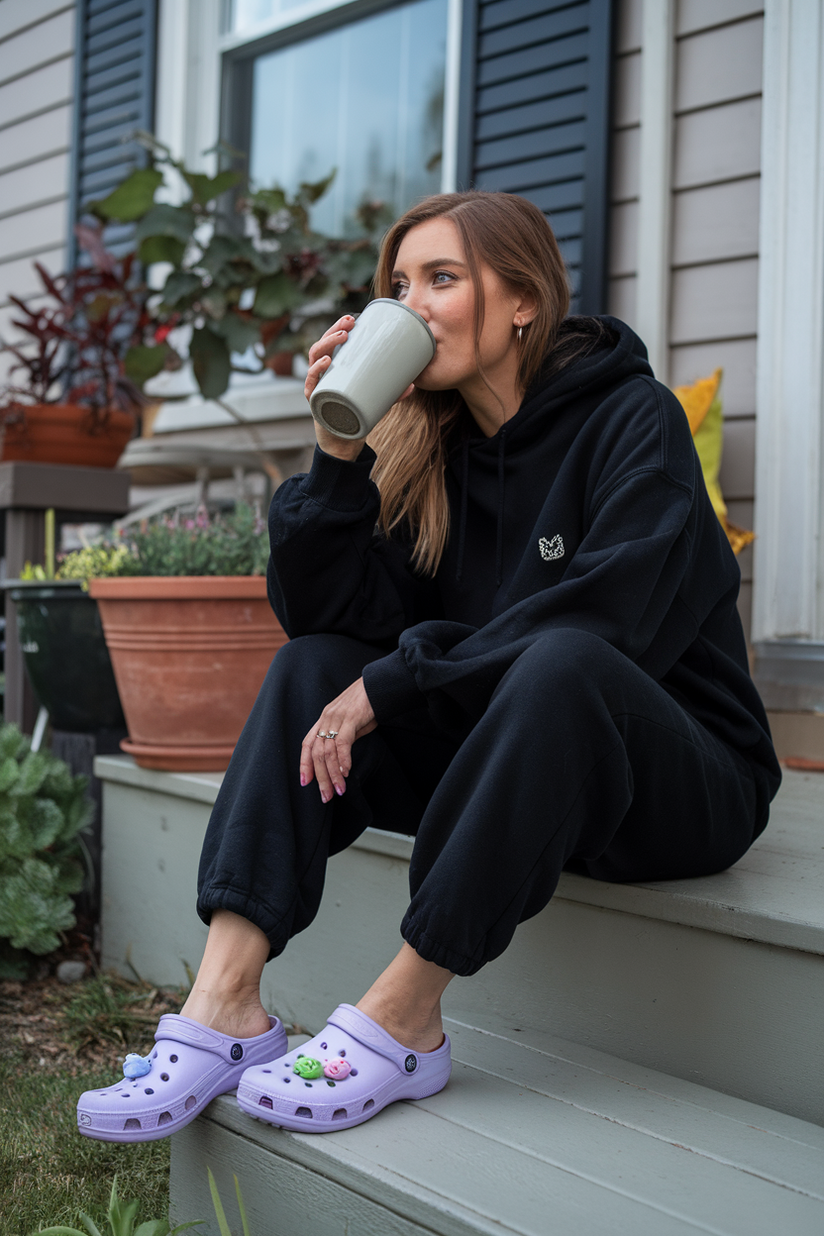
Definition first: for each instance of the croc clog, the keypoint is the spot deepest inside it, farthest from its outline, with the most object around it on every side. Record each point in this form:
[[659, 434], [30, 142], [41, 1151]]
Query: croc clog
[[188, 1067], [341, 1077]]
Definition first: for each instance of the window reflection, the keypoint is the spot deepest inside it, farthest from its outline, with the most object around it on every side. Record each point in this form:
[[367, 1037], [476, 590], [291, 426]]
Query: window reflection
[[366, 99]]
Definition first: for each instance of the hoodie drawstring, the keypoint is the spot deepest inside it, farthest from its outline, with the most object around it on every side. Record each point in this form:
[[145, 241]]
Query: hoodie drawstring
[[464, 499], [499, 538], [499, 543]]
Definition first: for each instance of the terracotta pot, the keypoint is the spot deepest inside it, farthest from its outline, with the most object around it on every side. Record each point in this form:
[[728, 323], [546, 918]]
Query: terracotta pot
[[65, 433], [189, 656]]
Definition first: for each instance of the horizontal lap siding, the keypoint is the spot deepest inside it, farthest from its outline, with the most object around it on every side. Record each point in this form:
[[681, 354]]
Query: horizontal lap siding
[[36, 80], [534, 116], [715, 212], [716, 195]]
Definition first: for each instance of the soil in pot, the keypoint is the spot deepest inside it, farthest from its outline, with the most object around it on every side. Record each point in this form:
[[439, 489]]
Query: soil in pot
[[66, 656], [190, 654], [67, 434]]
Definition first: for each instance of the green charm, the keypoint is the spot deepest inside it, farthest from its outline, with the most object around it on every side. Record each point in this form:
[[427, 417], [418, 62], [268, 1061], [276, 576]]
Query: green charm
[[308, 1068]]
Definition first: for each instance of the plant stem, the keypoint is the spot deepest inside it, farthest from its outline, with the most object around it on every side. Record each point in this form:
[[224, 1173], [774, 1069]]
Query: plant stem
[[50, 543]]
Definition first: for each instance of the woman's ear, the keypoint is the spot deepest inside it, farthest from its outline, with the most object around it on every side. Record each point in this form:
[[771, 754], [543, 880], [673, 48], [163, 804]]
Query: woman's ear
[[526, 310]]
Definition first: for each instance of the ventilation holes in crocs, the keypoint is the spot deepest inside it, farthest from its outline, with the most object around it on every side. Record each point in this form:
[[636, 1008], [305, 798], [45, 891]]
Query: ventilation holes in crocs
[[266, 1070], [369, 1103], [353, 1072], [164, 1118], [340, 1114], [191, 1102], [265, 1101], [323, 1047], [304, 1111], [164, 1076], [173, 1059], [342, 1054], [148, 1091], [131, 1123]]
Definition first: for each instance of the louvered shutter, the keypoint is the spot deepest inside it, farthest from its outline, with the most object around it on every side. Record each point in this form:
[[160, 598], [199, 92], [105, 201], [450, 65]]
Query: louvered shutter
[[535, 120], [115, 79]]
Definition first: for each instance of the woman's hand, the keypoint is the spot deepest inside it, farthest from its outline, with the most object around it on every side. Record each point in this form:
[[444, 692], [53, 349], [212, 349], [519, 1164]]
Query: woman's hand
[[346, 719], [320, 358]]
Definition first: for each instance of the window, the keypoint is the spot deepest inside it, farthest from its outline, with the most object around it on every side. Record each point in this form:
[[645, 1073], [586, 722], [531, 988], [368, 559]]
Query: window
[[365, 98]]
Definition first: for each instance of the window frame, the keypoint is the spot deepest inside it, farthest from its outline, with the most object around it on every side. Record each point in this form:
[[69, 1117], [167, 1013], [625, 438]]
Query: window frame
[[238, 52]]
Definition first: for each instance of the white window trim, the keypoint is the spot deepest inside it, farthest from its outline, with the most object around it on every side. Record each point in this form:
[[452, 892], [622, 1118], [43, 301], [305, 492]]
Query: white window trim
[[789, 565]]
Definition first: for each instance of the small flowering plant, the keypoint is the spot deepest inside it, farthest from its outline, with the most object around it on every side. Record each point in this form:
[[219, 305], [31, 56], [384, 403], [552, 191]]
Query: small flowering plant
[[174, 544]]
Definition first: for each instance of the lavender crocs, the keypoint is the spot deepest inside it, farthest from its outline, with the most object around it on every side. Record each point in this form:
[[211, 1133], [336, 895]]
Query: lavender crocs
[[164, 1091], [341, 1077]]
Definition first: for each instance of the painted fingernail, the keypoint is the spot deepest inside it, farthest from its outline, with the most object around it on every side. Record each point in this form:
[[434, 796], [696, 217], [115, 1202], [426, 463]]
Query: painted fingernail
[[339, 789], [302, 779], [323, 797]]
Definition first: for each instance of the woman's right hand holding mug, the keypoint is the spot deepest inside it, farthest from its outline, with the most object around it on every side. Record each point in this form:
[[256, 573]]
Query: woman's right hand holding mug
[[320, 357]]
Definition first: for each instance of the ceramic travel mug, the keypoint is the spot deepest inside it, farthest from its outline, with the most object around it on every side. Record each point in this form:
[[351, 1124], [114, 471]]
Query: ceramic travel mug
[[389, 345]]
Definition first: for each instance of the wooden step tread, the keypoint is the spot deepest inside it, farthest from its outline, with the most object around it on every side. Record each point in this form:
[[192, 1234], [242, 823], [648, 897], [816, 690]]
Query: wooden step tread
[[527, 1138]]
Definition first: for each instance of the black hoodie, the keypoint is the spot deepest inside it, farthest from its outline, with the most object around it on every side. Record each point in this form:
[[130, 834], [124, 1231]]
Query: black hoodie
[[587, 510]]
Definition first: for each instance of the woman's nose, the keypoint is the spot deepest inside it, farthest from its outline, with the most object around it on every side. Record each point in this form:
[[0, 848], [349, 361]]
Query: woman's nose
[[417, 299]]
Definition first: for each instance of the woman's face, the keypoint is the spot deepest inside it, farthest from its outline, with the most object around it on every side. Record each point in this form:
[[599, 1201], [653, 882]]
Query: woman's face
[[432, 277]]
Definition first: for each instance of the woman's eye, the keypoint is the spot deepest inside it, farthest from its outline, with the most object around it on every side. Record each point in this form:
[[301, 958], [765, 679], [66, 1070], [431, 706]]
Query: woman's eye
[[398, 290], [443, 276]]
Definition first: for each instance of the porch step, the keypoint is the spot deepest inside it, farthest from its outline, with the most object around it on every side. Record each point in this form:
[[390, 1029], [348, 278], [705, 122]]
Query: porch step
[[529, 1137], [718, 981]]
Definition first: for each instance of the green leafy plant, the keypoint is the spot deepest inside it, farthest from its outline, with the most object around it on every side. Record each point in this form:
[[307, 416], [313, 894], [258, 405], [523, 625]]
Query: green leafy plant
[[245, 268], [42, 810], [220, 1213], [170, 544], [122, 1217]]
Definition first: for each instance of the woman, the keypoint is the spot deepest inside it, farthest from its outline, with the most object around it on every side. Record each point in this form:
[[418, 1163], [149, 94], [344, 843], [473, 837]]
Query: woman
[[534, 663]]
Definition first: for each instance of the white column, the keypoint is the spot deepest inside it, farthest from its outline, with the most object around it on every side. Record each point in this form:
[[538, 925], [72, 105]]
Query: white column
[[655, 208], [789, 569]]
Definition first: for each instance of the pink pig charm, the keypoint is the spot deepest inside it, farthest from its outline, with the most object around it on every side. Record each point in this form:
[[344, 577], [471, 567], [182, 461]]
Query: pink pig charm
[[336, 1069]]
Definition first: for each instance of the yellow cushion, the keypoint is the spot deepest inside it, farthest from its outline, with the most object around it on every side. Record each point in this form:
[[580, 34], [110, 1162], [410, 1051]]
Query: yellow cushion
[[702, 403]]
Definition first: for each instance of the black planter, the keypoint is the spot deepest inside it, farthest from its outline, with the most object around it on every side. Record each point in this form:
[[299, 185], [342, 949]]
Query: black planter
[[66, 656]]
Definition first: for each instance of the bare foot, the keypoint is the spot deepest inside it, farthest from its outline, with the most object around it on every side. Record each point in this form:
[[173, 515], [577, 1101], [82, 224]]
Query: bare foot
[[419, 1035], [406, 1001], [241, 1017]]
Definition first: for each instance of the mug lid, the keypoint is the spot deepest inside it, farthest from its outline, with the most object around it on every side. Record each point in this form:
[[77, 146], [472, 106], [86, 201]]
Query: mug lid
[[390, 300]]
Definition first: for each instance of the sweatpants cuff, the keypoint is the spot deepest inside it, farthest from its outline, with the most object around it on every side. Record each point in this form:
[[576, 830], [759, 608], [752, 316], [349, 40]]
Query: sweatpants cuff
[[224, 898], [432, 950]]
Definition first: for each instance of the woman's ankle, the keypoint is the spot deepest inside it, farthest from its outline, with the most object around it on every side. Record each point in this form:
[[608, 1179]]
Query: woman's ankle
[[238, 1014], [420, 1033]]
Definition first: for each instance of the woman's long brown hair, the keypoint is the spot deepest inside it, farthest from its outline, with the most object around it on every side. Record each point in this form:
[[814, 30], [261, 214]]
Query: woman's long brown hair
[[513, 238]]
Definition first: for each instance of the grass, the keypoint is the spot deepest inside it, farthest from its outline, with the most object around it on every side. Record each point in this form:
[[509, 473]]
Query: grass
[[54, 1043]]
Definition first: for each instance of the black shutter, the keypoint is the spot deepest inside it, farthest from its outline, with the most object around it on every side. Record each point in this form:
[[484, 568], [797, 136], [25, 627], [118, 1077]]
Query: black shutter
[[114, 95], [535, 97]]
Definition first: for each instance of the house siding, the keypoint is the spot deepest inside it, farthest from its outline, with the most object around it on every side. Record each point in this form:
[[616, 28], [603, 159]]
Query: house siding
[[715, 215], [36, 87]]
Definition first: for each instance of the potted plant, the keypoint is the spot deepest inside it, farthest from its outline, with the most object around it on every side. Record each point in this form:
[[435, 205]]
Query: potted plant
[[189, 629], [245, 270], [69, 398]]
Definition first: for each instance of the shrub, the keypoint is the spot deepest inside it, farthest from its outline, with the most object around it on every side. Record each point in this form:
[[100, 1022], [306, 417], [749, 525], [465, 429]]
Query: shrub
[[42, 810]]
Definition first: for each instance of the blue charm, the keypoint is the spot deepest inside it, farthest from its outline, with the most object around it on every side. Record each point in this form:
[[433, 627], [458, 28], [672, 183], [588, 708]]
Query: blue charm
[[136, 1066]]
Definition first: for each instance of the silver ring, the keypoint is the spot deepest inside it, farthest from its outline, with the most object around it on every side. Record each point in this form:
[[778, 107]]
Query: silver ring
[[322, 734], [333, 734]]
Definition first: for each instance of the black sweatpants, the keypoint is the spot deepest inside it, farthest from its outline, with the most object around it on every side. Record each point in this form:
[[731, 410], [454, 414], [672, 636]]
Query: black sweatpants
[[580, 761]]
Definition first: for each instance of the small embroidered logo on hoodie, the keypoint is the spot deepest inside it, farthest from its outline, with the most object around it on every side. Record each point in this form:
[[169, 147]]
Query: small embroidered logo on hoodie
[[550, 550]]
